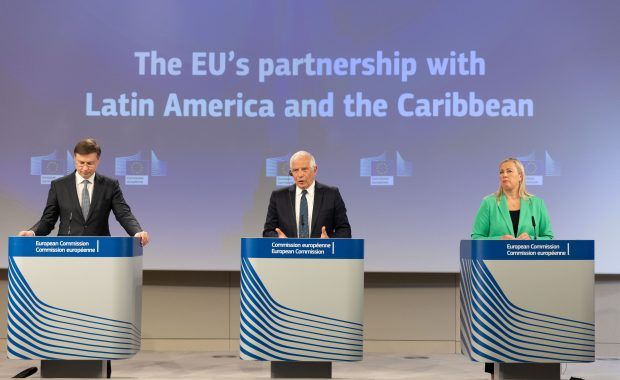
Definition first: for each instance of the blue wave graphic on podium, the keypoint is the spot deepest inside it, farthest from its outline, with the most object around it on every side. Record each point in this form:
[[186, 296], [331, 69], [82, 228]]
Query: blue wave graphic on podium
[[37, 330], [493, 329], [272, 331]]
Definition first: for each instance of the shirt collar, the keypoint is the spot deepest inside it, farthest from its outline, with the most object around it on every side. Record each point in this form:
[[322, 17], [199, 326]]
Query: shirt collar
[[79, 179], [310, 189]]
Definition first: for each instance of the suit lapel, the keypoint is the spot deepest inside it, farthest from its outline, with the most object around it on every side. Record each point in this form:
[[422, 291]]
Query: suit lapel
[[503, 210], [316, 207], [291, 198]]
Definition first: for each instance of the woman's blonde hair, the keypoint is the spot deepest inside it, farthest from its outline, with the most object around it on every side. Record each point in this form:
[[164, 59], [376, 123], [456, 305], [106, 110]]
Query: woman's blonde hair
[[522, 188]]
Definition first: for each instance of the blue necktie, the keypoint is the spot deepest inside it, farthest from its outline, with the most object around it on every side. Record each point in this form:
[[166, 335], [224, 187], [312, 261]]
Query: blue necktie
[[85, 199], [303, 216]]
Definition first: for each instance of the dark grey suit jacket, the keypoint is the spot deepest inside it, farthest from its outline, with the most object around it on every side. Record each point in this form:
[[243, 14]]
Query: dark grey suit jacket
[[328, 210], [62, 201]]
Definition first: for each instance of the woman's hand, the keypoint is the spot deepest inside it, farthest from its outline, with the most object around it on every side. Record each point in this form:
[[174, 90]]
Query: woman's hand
[[524, 236]]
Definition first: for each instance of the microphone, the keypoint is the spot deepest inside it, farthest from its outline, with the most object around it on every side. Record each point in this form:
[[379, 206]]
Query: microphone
[[70, 219], [534, 225]]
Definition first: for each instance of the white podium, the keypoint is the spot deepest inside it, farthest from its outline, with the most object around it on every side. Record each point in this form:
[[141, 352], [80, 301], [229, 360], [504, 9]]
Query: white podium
[[74, 298], [527, 305], [302, 303]]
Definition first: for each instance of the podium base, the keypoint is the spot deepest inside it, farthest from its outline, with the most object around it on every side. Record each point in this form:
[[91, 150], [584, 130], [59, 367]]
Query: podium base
[[301, 370], [527, 371], [75, 368]]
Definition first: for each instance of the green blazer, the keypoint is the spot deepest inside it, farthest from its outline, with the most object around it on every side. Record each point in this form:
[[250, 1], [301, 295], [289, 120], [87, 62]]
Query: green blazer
[[493, 219]]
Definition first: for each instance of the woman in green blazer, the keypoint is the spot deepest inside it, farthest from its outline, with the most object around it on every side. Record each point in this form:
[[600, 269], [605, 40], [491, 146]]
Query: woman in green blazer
[[512, 212]]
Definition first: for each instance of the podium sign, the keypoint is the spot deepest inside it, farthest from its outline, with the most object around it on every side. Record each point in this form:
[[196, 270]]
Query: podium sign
[[74, 298], [302, 299], [527, 301]]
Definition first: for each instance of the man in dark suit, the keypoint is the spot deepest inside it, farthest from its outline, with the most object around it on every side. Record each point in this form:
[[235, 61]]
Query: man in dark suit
[[83, 201], [308, 208]]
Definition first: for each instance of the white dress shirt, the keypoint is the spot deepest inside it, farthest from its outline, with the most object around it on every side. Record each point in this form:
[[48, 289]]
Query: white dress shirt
[[310, 199], [79, 187]]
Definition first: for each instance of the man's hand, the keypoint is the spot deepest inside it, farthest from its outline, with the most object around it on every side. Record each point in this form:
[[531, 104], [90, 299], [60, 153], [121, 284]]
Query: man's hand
[[25, 233], [144, 238], [507, 237], [324, 233], [280, 233], [524, 236]]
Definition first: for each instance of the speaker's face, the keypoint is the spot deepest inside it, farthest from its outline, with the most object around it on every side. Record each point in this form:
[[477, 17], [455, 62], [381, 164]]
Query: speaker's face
[[509, 176], [302, 172], [86, 164]]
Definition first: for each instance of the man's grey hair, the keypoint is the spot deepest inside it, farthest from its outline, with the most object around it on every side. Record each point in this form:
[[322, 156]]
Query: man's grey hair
[[300, 154]]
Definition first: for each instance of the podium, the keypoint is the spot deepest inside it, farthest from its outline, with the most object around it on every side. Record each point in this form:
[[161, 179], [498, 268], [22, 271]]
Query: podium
[[74, 299], [302, 303], [527, 305]]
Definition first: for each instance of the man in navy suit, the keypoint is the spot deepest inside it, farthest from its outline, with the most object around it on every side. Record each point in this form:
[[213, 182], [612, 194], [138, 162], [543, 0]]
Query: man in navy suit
[[308, 208], [83, 201]]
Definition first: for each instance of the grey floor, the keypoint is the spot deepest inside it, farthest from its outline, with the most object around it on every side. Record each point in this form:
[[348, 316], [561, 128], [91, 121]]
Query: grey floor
[[209, 365]]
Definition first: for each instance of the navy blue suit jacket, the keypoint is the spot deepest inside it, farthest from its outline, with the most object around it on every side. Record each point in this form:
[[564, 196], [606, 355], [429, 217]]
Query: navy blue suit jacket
[[328, 210], [62, 201]]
